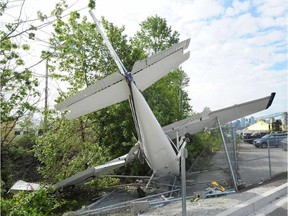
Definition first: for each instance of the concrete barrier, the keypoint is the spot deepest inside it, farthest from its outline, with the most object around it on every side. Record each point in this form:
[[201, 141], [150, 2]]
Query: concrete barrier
[[139, 207], [256, 203]]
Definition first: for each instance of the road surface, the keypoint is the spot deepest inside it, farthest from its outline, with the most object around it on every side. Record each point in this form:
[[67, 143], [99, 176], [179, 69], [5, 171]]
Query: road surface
[[253, 163]]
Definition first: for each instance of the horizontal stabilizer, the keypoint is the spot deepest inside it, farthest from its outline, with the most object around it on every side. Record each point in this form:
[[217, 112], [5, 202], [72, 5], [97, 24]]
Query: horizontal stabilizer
[[98, 171], [114, 89], [154, 72], [208, 119], [142, 64], [110, 90]]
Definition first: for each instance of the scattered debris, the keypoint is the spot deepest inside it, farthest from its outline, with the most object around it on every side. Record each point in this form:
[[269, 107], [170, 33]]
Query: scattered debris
[[24, 186], [217, 190], [194, 199]]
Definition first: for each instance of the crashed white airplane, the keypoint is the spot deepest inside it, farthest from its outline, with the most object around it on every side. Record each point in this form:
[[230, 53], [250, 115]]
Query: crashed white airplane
[[154, 142]]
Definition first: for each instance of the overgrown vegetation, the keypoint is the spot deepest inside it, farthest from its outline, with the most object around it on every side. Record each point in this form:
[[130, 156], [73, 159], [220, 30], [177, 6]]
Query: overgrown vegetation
[[40, 202], [203, 144]]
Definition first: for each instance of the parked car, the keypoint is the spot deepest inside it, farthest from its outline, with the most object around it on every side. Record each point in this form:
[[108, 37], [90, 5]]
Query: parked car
[[255, 135], [273, 139], [246, 137]]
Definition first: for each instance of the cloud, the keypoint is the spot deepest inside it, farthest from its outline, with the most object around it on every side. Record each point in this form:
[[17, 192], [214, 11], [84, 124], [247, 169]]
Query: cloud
[[272, 8], [235, 57], [237, 8], [238, 48]]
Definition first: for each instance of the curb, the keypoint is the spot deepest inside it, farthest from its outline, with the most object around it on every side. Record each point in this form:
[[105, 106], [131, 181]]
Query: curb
[[256, 203]]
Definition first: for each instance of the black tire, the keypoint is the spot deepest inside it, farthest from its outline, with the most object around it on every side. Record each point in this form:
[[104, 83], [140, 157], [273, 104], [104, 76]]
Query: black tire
[[264, 145]]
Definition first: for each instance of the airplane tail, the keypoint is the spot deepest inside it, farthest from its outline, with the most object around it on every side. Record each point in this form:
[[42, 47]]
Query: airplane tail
[[114, 89]]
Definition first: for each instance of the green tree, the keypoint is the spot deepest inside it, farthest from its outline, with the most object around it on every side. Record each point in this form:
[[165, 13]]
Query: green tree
[[19, 93], [18, 97], [155, 35]]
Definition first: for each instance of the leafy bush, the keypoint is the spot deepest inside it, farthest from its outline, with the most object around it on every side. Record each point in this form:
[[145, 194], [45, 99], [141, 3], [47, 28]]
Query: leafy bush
[[203, 143], [41, 202]]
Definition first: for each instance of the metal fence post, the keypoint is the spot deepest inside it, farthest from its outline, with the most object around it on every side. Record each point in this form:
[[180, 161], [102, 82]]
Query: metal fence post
[[227, 155], [269, 159], [235, 152], [183, 179]]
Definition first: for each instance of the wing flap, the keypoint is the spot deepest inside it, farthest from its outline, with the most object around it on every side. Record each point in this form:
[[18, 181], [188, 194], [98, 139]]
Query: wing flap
[[209, 120]]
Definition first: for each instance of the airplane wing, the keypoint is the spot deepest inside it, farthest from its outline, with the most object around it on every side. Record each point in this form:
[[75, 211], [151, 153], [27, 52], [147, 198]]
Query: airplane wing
[[98, 171], [114, 89], [208, 119]]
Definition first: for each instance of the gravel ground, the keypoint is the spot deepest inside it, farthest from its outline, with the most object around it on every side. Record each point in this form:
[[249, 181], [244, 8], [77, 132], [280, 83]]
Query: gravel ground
[[214, 206], [209, 206]]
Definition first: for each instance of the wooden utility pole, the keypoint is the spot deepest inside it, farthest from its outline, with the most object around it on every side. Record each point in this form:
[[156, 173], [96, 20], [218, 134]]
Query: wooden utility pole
[[46, 96]]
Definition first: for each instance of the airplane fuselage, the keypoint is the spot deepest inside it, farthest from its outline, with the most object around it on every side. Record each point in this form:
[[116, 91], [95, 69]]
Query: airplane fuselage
[[154, 143]]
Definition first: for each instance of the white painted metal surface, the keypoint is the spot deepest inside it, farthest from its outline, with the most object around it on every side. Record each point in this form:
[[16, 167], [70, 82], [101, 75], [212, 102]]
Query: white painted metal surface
[[156, 146], [114, 89], [208, 120]]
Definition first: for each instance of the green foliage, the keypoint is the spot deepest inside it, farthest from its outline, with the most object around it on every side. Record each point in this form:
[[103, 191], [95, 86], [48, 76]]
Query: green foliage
[[155, 35], [92, 4], [203, 143], [67, 147], [3, 6], [18, 93], [41, 202]]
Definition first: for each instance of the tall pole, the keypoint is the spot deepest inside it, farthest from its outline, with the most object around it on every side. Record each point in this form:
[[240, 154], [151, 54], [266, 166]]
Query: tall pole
[[269, 160], [46, 96], [183, 179]]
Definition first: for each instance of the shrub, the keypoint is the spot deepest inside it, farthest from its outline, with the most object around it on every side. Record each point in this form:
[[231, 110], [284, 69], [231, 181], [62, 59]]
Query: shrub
[[41, 202]]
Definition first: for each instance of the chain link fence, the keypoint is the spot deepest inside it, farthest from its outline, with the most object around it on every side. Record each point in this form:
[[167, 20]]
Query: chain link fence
[[237, 163]]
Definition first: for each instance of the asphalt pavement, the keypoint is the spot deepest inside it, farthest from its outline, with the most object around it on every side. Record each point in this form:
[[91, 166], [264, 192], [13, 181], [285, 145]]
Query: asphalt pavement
[[254, 165]]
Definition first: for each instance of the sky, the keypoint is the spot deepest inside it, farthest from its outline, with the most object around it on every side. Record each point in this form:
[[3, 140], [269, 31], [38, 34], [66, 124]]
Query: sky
[[238, 49]]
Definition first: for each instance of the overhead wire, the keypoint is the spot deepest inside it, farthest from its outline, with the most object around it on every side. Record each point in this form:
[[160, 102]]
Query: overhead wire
[[40, 27]]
